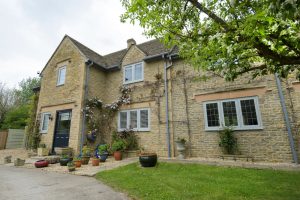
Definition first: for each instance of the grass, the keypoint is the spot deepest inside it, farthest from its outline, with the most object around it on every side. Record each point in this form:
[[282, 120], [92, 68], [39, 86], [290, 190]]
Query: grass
[[193, 181]]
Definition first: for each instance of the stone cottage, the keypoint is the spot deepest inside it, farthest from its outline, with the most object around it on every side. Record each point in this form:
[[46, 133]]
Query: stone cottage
[[168, 101]]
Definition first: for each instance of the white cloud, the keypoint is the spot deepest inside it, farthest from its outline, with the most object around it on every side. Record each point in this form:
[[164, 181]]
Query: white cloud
[[31, 30]]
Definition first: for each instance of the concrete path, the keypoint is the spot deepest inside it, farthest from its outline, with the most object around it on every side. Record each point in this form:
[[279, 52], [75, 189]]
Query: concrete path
[[31, 184]]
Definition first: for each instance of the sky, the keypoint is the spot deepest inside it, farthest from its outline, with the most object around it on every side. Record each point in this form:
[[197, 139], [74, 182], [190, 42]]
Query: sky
[[30, 31]]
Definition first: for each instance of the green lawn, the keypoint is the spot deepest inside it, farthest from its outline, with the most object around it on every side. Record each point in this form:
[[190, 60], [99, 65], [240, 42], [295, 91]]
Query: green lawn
[[193, 181]]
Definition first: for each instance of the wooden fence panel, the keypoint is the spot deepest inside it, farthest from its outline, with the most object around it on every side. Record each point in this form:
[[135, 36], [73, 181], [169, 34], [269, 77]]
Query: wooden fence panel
[[3, 139], [15, 138]]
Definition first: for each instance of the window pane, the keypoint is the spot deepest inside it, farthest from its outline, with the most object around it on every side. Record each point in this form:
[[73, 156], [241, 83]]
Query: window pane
[[230, 116], [61, 76], [138, 72], [45, 122], [144, 123], [133, 119], [212, 114], [123, 120], [128, 74], [249, 112]]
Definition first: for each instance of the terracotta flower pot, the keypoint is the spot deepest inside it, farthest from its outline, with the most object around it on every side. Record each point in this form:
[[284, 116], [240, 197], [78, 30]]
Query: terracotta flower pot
[[118, 155], [77, 163], [95, 161]]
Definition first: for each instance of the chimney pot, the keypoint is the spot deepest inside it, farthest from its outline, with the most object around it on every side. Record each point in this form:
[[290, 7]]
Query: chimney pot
[[130, 42]]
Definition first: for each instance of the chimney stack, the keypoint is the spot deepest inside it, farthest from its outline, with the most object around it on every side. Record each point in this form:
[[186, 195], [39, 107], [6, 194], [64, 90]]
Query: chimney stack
[[130, 42]]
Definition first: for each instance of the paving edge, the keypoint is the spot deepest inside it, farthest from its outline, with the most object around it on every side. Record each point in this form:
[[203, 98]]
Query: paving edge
[[249, 165]]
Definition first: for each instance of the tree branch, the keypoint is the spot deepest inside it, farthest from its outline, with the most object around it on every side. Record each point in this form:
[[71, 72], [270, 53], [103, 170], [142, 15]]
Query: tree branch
[[254, 67], [211, 14], [265, 51]]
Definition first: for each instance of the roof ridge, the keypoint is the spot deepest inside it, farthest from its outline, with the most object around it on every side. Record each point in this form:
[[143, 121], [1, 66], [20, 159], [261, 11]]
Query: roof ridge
[[149, 41], [114, 52], [83, 45]]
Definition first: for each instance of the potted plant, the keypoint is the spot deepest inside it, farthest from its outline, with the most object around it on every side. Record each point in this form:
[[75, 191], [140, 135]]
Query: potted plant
[[227, 140], [77, 161], [43, 150], [180, 146], [41, 163], [86, 154], [148, 159], [92, 135], [103, 152], [95, 161], [19, 162], [71, 166], [63, 161], [117, 147]]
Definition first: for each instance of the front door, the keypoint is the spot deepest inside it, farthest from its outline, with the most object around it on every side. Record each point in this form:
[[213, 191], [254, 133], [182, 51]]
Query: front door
[[62, 128]]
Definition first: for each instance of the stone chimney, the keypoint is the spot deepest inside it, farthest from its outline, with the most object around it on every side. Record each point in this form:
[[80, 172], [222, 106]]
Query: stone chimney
[[130, 42]]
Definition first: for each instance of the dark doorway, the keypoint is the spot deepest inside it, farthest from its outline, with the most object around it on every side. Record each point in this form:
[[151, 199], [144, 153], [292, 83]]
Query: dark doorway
[[62, 128]]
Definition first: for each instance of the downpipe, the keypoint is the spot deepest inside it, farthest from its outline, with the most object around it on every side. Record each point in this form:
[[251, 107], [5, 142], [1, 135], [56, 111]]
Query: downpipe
[[286, 118], [88, 64], [166, 66]]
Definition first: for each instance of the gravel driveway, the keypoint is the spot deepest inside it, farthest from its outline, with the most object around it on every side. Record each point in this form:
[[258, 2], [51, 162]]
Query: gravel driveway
[[21, 184]]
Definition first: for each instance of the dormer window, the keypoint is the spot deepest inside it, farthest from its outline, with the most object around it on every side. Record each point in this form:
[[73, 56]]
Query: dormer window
[[133, 73], [61, 75]]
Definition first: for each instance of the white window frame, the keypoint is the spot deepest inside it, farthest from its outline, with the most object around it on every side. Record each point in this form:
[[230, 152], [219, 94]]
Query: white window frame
[[138, 120], [133, 73], [58, 81], [240, 119], [42, 122]]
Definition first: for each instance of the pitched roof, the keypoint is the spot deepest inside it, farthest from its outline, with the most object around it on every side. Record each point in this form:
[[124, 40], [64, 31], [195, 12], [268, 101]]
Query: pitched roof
[[109, 61], [95, 57]]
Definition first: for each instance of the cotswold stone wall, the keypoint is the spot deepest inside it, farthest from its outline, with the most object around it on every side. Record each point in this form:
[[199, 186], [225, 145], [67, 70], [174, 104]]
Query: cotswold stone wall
[[186, 96], [269, 144], [187, 93], [68, 96]]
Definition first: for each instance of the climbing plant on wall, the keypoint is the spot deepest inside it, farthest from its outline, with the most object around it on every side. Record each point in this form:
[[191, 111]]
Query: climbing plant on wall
[[32, 131], [100, 116]]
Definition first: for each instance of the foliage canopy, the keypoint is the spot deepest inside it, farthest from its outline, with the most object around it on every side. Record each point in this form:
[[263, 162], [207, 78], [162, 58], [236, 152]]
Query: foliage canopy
[[226, 37]]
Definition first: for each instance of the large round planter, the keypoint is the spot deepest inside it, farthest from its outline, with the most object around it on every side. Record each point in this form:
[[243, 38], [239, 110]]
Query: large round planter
[[63, 161], [77, 163], [103, 157], [118, 155], [41, 163], [85, 160], [148, 159], [95, 161]]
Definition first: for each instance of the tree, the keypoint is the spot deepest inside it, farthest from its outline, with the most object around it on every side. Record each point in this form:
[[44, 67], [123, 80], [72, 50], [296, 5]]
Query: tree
[[16, 118], [7, 101], [14, 103], [227, 37], [26, 89]]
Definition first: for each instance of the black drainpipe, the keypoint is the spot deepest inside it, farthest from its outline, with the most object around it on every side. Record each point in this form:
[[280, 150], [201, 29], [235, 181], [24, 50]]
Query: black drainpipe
[[88, 64], [286, 118]]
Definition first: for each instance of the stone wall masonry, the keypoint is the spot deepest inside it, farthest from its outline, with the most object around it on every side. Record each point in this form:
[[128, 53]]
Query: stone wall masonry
[[68, 96], [187, 92], [270, 144]]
